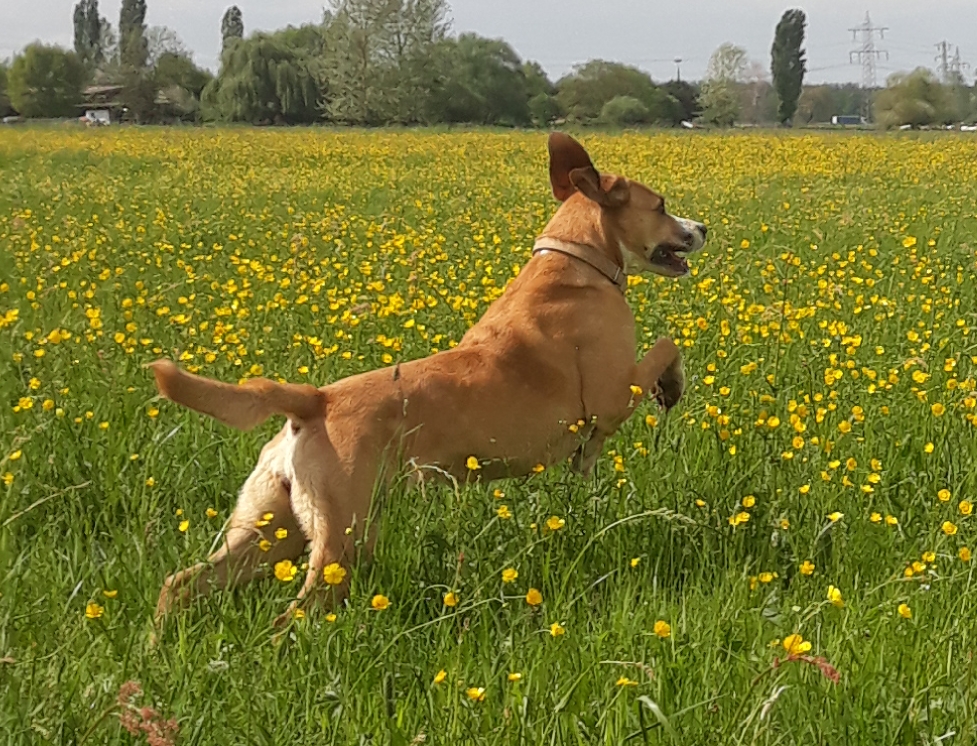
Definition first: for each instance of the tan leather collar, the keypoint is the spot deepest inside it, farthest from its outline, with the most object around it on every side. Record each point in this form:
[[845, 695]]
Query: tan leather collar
[[588, 255]]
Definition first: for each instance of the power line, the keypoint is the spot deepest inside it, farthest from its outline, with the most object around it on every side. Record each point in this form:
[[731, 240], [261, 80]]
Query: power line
[[867, 54]]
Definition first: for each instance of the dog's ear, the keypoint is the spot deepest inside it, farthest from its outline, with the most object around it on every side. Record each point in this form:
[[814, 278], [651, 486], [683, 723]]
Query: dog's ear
[[567, 156], [604, 189]]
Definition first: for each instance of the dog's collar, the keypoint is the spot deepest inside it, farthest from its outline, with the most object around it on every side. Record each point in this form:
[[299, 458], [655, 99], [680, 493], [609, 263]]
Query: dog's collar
[[588, 255]]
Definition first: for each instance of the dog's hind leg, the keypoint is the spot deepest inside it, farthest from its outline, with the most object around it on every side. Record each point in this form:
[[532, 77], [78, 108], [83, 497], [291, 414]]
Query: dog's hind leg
[[251, 545]]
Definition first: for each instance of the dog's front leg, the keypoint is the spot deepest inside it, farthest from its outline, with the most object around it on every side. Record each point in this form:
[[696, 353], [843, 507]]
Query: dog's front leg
[[660, 373]]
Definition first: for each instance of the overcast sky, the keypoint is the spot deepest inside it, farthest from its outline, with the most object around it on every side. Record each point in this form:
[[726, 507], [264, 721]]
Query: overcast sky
[[561, 33]]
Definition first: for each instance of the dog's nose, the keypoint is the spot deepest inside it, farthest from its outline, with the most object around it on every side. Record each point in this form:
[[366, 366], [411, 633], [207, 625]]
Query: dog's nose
[[702, 229]]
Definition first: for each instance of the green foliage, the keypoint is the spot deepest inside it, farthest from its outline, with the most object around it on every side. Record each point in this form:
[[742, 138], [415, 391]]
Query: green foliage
[[378, 65], [262, 81], [478, 80], [88, 32], [787, 62], [544, 109], [915, 98], [133, 47], [720, 102], [687, 96], [232, 26], [5, 108], [179, 70], [46, 81], [622, 111], [584, 93]]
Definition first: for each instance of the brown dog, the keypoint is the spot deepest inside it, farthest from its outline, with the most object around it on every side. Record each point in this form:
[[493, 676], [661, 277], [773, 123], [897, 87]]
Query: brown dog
[[548, 373]]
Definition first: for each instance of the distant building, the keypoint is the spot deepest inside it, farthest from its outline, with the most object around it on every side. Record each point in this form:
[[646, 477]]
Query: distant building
[[101, 104]]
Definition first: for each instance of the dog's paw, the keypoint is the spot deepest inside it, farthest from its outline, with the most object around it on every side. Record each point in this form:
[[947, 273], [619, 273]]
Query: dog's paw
[[671, 386]]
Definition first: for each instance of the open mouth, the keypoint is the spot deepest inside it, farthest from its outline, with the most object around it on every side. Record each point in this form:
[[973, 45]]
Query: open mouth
[[671, 258]]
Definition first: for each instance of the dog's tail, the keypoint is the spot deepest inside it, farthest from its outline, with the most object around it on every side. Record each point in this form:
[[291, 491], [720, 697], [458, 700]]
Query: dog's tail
[[241, 406]]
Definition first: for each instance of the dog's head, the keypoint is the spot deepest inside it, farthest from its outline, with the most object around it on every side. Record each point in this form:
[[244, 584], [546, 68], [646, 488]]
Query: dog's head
[[633, 217]]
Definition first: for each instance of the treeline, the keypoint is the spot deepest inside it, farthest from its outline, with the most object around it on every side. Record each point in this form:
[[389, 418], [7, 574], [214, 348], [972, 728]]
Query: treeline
[[379, 62]]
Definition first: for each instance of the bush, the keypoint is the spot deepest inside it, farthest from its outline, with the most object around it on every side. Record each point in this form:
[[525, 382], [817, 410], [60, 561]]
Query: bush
[[623, 111]]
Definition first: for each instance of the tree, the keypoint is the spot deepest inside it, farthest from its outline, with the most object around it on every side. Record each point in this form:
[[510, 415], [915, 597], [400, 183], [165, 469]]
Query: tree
[[178, 70], [727, 63], [162, 40], [622, 111], [686, 95], [787, 62], [720, 91], [915, 98], [544, 109], [584, 92], [262, 81], [133, 48], [5, 108], [479, 80], [378, 67], [232, 26], [46, 81], [88, 32]]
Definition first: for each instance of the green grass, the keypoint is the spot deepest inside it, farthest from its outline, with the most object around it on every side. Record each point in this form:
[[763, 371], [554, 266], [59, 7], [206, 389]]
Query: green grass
[[818, 256]]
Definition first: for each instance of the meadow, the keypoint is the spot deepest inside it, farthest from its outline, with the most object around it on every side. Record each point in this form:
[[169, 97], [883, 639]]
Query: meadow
[[785, 558]]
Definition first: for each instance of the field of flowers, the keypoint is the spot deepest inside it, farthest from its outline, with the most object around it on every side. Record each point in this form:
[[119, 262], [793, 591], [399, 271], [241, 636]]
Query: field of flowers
[[784, 558]]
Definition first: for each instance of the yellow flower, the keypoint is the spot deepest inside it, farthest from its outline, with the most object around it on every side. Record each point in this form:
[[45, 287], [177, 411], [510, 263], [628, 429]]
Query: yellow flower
[[534, 597], [964, 554], [333, 573], [944, 495], [834, 596], [835, 517], [937, 409], [514, 676], [807, 567], [766, 577], [966, 507], [264, 545], [94, 611], [110, 594], [281, 533], [475, 693], [556, 629], [636, 390], [450, 599], [651, 420], [538, 468], [472, 464], [662, 628], [440, 676], [949, 528], [7, 478], [503, 512], [380, 602], [15, 456], [298, 614], [736, 520], [784, 524], [330, 618], [929, 557], [635, 561], [285, 571], [928, 448], [211, 513], [905, 612], [625, 681], [749, 501], [555, 523], [875, 518], [804, 489], [891, 520], [509, 575], [796, 645], [184, 525]]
